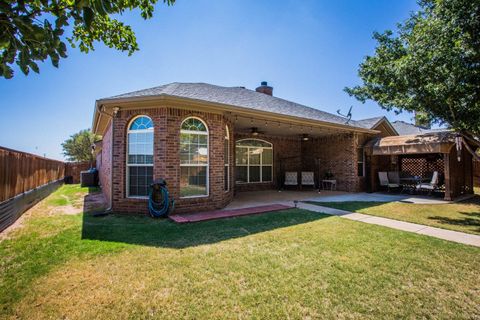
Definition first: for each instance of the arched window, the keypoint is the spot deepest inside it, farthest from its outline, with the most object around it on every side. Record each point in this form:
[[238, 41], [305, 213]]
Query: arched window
[[193, 158], [254, 161], [226, 158], [139, 156]]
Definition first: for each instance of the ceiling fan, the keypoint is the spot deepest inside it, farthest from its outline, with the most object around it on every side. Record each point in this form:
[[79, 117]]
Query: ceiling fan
[[255, 132]]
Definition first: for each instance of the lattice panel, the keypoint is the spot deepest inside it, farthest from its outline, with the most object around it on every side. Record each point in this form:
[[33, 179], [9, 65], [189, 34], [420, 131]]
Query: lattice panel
[[422, 166]]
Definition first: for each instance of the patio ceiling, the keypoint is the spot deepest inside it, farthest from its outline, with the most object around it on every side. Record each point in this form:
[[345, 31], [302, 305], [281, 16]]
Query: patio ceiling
[[275, 127]]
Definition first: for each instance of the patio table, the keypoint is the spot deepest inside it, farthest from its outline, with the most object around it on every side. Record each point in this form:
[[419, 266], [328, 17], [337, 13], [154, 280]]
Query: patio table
[[410, 183], [331, 183]]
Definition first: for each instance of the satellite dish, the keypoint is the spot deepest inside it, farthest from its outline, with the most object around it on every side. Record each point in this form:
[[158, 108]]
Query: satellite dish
[[348, 116]]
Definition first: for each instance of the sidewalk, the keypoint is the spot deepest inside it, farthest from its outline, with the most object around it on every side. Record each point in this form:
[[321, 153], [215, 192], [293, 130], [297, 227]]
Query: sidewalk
[[455, 236]]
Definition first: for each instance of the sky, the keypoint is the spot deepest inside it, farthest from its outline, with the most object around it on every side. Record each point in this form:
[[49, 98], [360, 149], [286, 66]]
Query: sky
[[309, 51]]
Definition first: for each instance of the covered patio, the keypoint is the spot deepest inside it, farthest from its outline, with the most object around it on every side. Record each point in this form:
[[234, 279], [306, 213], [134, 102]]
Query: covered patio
[[267, 149], [415, 159]]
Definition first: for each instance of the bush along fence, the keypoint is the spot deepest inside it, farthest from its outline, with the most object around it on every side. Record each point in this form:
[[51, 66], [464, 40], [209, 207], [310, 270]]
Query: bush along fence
[[25, 179]]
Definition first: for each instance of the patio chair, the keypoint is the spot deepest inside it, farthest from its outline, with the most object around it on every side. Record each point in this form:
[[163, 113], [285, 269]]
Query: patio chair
[[429, 186], [291, 178], [385, 182], [394, 177], [308, 178]]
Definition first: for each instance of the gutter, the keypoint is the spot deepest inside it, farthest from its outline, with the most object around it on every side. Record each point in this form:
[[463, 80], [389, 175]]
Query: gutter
[[101, 112], [247, 111]]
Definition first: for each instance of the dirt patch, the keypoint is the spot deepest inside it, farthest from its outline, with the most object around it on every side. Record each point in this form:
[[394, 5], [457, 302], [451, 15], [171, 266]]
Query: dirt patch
[[82, 203], [7, 233], [69, 209]]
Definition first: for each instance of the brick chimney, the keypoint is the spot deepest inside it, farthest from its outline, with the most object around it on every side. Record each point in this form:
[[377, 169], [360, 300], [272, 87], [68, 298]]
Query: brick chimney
[[265, 88]]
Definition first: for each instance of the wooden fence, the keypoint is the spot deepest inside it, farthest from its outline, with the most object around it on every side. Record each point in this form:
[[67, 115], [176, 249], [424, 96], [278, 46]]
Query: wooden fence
[[73, 169], [21, 172]]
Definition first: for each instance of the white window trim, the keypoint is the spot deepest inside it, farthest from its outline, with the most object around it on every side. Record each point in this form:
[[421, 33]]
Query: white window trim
[[128, 165], [198, 165], [260, 165]]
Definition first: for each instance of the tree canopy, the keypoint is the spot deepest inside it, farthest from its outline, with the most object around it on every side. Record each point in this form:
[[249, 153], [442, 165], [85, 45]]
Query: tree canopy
[[430, 65], [79, 146], [32, 31]]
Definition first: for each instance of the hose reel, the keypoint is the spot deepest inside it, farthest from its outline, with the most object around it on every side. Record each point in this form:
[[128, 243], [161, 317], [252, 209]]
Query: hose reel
[[159, 202]]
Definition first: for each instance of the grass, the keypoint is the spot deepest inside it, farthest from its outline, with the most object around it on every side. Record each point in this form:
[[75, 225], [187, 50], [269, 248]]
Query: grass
[[462, 216], [69, 194], [289, 264]]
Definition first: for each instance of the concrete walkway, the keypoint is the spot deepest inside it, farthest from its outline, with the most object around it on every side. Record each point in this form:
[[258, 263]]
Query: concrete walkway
[[455, 236]]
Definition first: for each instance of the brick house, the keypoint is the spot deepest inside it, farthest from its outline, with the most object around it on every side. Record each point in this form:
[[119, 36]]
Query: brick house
[[210, 142]]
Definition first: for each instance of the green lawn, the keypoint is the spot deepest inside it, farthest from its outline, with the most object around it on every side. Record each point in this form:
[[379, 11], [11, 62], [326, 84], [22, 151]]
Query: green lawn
[[462, 216], [69, 194], [290, 264]]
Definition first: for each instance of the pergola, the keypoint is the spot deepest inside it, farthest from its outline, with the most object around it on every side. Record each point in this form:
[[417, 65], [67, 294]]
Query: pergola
[[447, 152]]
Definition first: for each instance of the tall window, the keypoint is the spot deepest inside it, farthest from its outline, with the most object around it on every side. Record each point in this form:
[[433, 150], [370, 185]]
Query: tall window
[[193, 158], [254, 161], [360, 162], [139, 156], [226, 157]]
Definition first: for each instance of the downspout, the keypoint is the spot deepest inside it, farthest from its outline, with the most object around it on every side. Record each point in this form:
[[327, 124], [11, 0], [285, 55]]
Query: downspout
[[115, 110]]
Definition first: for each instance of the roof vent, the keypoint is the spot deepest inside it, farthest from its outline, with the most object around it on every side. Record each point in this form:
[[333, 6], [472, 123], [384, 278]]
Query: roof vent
[[265, 88]]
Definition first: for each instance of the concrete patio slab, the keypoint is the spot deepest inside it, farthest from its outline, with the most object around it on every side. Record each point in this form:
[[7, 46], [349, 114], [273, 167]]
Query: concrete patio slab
[[454, 236], [377, 197], [260, 198]]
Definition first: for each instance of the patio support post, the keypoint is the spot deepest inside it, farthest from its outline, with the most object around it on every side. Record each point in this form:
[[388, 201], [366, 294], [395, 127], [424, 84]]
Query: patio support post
[[448, 181]]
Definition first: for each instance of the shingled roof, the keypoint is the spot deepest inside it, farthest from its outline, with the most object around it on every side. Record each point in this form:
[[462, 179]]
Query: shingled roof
[[369, 123], [236, 96], [405, 128]]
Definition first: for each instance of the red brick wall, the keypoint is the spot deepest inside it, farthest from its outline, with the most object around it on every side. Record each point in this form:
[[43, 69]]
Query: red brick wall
[[167, 123], [360, 141], [337, 154], [104, 164]]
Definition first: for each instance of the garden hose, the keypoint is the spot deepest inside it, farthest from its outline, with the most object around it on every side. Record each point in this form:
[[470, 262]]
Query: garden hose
[[159, 202]]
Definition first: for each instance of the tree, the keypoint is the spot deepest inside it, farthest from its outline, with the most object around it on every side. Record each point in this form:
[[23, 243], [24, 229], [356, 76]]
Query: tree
[[79, 146], [32, 31], [431, 66]]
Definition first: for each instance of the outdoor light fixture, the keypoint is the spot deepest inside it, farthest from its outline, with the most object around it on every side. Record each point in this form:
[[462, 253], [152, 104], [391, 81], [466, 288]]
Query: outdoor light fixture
[[254, 131], [458, 145], [305, 137]]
